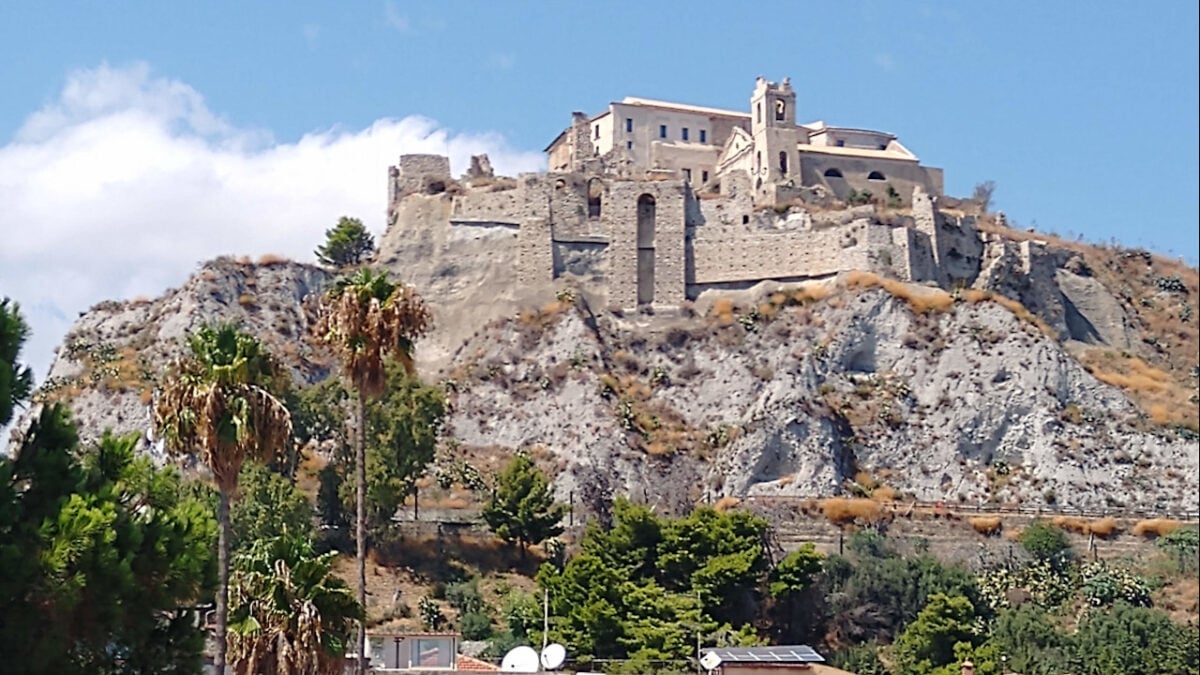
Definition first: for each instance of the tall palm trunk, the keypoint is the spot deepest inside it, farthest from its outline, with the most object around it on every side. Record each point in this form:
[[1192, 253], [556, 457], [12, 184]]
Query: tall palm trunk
[[222, 579], [360, 475]]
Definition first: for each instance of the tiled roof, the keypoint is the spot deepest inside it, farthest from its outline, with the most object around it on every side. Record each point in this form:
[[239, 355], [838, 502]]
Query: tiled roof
[[473, 664]]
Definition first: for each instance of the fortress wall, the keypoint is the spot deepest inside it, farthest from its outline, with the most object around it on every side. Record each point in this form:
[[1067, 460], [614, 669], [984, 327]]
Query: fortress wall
[[667, 266], [414, 173], [535, 255], [723, 255], [582, 262], [901, 175], [506, 206]]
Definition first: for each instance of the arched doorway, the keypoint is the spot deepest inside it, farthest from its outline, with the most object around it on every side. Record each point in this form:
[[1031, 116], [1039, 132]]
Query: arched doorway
[[595, 193], [645, 248]]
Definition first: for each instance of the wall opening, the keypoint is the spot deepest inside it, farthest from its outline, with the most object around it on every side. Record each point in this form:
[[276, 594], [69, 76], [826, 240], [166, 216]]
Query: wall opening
[[645, 245], [875, 175], [783, 162], [595, 191], [757, 163], [780, 110], [833, 173]]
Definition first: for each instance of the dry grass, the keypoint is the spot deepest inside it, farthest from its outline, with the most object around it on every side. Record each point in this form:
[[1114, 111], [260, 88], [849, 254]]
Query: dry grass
[[725, 503], [723, 311], [1104, 527], [985, 525], [842, 511], [269, 259], [921, 299], [1166, 401], [884, 493], [1100, 527], [1156, 527], [1013, 534]]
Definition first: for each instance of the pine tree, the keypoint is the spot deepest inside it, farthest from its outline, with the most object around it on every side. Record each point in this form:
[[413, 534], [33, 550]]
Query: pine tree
[[346, 244], [522, 509]]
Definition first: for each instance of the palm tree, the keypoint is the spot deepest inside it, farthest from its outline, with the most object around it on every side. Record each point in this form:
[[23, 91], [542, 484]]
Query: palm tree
[[290, 614], [216, 404], [367, 318]]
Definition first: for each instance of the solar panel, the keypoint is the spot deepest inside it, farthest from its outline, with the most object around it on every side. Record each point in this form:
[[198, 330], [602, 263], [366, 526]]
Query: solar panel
[[780, 654]]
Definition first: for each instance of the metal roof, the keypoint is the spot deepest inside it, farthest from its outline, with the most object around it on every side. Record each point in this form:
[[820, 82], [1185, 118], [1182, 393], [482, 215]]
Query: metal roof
[[779, 654]]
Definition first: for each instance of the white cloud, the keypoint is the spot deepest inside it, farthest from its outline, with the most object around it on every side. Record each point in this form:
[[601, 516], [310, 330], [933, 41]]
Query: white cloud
[[395, 18], [127, 181]]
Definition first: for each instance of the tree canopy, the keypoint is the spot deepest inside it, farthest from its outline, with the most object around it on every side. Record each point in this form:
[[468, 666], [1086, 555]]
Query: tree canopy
[[346, 244], [522, 508]]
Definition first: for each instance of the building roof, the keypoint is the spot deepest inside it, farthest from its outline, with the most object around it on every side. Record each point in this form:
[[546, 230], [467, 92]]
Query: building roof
[[470, 663], [896, 155], [782, 654], [683, 107]]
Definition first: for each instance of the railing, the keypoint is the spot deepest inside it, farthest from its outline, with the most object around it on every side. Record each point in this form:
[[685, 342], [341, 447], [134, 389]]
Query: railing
[[1014, 509]]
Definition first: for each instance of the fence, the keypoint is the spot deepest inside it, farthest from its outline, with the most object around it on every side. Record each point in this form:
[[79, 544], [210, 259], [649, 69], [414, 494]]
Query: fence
[[1000, 509]]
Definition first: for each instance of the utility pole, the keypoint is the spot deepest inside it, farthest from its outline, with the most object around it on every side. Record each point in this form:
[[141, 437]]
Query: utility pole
[[545, 619], [699, 617]]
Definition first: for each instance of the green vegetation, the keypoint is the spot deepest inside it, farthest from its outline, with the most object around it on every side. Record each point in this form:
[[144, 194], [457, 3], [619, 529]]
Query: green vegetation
[[346, 244], [16, 381], [522, 508]]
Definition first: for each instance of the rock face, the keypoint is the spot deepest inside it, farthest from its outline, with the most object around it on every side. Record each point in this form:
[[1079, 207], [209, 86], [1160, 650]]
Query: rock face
[[111, 359], [970, 404]]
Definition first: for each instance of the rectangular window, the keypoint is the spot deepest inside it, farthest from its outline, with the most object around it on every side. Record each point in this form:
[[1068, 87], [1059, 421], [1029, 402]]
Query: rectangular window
[[628, 145], [629, 125], [432, 653], [685, 133], [662, 131], [687, 175], [597, 134], [703, 136], [703, 175], [841, 144]]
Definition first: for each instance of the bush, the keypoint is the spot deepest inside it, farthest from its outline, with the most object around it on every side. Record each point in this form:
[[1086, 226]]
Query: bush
[[1046, 542], [475, 626], [465, 597], [986, 525], [1155, 527]]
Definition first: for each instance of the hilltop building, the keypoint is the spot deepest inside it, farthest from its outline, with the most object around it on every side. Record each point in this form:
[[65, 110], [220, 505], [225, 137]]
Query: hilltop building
[[653, 203], [701, 145]]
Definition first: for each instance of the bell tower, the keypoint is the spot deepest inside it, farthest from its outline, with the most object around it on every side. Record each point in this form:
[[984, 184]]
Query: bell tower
[[773, 126]]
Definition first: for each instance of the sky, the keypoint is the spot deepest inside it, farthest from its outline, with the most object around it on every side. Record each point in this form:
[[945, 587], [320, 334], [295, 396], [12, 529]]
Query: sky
[[138, 139]]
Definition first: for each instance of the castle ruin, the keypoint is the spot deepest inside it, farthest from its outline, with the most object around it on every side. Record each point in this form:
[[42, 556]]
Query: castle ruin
[[651, 203]]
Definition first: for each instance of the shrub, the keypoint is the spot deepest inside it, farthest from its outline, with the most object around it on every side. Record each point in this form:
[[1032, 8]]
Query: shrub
[[1046, 542], [841, 511], [1156, 527], [1103, 527], [985, 525], [475, 626]]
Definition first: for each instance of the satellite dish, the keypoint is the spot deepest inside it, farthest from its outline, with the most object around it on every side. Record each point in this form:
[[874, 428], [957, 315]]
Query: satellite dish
[[520, 660], [710, 660], [553, 656]]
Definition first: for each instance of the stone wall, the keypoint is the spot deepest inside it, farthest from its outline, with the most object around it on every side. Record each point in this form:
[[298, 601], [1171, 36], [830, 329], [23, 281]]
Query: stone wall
[[418, 173], [504, 206], [903, 176], [661, 254]]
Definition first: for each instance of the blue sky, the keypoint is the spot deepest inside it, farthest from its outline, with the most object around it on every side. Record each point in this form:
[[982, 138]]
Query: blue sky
[[138, 138]]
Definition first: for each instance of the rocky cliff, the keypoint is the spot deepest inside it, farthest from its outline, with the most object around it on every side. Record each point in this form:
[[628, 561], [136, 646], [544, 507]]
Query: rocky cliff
[[1050, 372]]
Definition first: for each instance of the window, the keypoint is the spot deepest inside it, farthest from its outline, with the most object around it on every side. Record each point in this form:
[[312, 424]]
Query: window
[[833, 173], [597, 134], [840, 144], [875, 175], [662, 131], [780, 110], [628, 145], [687, 175], [629, 125], [882, 146], [758, 113], [432, 653], [703, 176], [703, 136], [684, 135], [782, 161]]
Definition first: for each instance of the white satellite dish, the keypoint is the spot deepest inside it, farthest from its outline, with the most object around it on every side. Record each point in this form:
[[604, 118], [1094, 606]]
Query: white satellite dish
[[520, 660], [710, 660], [553, 656]]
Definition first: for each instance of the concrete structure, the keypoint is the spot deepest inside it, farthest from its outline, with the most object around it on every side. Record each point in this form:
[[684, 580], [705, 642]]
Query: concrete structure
[[652, 203], [704, 145], [399, 651]]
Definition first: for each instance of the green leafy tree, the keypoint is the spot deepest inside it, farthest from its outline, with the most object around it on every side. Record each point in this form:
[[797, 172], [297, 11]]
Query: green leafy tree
[[522, 508], [290, 612], [16, 381], [1029, 641], [269, 506], [1183, 545], [796, 572], [100, 552], [346, 244], [367, 319], [217, 405], [929, 642]]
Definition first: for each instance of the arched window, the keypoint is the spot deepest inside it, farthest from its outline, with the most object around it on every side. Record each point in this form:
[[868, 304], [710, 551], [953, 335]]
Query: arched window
[[875, 175], [595, 190], [783, 161], [833, 173], [758, 112], [758, 162]]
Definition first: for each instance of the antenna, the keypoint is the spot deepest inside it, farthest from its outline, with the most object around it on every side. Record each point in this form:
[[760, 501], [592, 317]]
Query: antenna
[[553, 656], [520, 660]]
